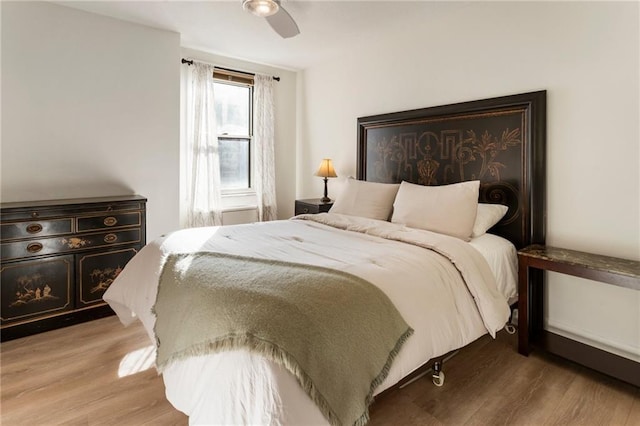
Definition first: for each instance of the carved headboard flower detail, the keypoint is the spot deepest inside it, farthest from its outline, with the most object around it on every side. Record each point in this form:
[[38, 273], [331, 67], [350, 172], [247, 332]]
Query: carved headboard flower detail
[[488, 147]]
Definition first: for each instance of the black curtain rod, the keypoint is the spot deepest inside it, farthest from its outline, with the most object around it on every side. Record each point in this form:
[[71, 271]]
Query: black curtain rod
[[190, 62]]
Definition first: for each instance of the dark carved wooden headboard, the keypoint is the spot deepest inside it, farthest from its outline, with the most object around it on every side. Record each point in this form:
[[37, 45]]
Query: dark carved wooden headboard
[[499, 141]]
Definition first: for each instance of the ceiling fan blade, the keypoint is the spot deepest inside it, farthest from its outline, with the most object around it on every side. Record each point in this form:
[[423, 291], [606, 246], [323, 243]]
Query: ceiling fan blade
[[283, 24]]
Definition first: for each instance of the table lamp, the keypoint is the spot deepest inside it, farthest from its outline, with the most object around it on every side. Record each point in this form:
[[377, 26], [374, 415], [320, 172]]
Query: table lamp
[[326, 171]]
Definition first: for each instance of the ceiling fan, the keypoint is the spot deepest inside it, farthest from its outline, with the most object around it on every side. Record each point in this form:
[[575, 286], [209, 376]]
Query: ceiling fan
[[276, 16]]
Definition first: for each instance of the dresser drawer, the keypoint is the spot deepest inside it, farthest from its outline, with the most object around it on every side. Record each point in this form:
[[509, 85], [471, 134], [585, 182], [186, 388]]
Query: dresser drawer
[[104, 221], [23, 211], [36, 228], [45, 246]]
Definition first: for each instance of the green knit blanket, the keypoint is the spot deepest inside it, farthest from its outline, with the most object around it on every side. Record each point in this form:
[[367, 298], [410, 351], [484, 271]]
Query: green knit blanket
[[336, 333]]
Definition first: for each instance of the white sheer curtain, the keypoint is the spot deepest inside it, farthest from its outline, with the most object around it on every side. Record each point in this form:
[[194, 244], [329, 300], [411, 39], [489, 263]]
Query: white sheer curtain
[[265, 181], [202, 156]]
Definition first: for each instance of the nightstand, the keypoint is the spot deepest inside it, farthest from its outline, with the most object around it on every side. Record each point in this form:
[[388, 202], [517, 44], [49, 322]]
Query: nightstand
[[312, 206]]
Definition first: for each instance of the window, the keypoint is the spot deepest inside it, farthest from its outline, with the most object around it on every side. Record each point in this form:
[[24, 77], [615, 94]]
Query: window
[[234, 107]]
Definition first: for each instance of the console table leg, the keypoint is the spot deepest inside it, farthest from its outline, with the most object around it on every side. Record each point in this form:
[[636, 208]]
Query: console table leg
[[523, 308]]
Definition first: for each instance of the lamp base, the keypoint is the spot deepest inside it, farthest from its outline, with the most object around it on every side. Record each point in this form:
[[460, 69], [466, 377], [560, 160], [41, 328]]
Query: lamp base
[[326, 198]]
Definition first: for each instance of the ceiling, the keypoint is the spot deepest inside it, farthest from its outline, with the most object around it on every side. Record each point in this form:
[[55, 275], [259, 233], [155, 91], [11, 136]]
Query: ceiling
[[222, 27]]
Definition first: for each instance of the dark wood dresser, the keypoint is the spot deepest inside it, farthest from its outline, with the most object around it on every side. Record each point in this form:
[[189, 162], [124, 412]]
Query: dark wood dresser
[[59, 256]]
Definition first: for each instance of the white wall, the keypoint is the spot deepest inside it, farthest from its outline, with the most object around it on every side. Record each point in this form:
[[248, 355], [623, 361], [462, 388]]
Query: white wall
[[242, 209], [90, 107], [586, 55]]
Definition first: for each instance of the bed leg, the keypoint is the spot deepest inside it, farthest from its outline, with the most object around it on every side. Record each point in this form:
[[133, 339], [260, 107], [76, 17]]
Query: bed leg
[[438, 375], [510, 327]]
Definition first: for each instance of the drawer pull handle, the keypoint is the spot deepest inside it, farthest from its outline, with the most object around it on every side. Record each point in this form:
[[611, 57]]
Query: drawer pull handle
[[34, 214], [110, 238], [110, 221], [34, 247], [305, 210], [34, 228]]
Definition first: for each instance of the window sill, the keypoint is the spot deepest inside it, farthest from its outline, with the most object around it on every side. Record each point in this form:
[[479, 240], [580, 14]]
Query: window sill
[[238, 193], [239, 201], [239, 208]]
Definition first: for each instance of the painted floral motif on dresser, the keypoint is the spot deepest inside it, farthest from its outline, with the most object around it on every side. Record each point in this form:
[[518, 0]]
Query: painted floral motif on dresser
[[75, 242], [32, 289], [101, 279]]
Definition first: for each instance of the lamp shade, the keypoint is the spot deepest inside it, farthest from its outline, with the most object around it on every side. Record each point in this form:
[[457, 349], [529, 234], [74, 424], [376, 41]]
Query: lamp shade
[[261, 8], [326, 169]]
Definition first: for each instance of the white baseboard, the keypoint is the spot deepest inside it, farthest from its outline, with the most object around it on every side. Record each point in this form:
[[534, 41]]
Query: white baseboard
[[600, 342]]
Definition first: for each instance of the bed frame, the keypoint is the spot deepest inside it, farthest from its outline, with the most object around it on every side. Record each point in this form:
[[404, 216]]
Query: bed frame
[[498, 141]]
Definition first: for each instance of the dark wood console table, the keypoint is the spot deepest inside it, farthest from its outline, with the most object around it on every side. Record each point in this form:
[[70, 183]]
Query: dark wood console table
[[610, 270]]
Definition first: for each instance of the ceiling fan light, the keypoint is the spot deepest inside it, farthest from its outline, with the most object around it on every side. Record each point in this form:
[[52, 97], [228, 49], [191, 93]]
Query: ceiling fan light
[[261, 8]]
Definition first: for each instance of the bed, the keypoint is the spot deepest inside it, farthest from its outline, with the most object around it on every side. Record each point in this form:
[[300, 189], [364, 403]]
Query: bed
[[447, 289]]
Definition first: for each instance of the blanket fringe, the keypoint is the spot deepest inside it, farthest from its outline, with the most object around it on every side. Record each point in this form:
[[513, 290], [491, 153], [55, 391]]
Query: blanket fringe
[[364, 419]]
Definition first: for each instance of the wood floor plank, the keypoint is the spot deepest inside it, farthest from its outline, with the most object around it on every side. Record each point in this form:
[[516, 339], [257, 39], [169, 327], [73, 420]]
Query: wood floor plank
[[473, 373], [405, 412], [633, 419], [593, 398], [524, 385], [71, 376]]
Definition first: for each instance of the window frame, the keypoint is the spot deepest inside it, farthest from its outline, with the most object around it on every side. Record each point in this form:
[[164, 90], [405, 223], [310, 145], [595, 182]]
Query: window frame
[[230, 77]]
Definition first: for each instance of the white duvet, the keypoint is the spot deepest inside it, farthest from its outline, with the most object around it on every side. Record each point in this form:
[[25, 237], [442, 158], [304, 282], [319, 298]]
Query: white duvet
[[238, 387]]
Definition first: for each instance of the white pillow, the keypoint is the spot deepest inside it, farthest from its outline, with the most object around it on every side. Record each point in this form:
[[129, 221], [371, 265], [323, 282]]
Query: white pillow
[[487, 216], [447, 209], [366, 199], [502, 257]]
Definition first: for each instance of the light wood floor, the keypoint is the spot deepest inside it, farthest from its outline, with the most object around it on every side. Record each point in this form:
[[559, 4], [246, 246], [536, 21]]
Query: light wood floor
[[70, 376]]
